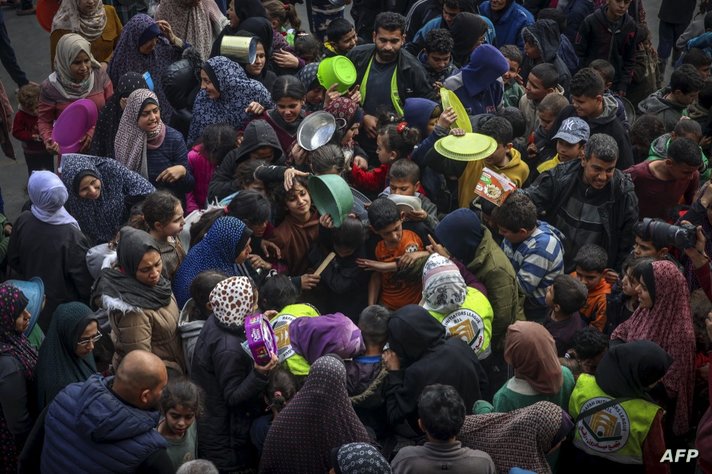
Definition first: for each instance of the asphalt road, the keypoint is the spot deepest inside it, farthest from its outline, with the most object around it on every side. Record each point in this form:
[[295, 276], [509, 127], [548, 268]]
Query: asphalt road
[[31, 44]]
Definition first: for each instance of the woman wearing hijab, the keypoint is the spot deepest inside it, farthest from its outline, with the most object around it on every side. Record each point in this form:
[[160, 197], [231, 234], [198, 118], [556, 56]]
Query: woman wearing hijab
[[17, 371], [149, 46], [142, 309], [521, 438], [195, 21], [627, 435], [97, 23], [109, 117], [663, 316], [316, 420], [47, 243], [314, 99], [77, 75], [531, 352], [146, 145], [224, 248], [232, 381], [66, 353], [237, 13], [226, 93], [101, 194]]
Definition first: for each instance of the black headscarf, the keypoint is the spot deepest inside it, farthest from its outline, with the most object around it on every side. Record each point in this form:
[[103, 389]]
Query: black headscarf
[[628, 370], [412, 331], [461, 233], [466, 29], [245, 9], [262, 28]]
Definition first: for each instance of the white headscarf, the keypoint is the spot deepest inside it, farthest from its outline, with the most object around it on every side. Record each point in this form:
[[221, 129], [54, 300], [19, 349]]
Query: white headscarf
[[89, 25], [68, 48], [48, 195]]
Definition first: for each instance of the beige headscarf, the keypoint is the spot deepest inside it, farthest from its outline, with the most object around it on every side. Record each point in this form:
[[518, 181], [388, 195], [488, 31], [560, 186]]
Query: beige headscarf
[[68, 48], [89, 25], [131, 143], [531, 351], [198, 24]]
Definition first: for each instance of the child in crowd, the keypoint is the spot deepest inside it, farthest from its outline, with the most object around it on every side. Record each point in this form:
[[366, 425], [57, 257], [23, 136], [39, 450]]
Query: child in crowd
[[216, 142], [589, 347], [437, 56], [541, 147], [281, 387], [24, 128], [513, 90], [533, 247], [623, 299], [398, 248], [590, 264], [181, 404], [307, 47], [441, 414], [691, 129], [404, 180], [542, 44], [505, 159], [570, 143], [645, 130], [700, 60], [671, 102], [392, 143], [543, 80], [564, 298], [699, 111], [340, 38], [607, 72], [288, 95], [244, 178], [649, 244]]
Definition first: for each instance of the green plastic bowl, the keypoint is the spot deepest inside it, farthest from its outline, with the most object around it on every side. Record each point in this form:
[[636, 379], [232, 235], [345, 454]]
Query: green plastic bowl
[[331, 195], [336, 70]]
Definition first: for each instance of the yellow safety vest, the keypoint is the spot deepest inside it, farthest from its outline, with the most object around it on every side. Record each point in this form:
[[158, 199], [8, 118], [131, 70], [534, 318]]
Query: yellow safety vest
[[395, 96], [294, 362], [472, 322], [616, 433]]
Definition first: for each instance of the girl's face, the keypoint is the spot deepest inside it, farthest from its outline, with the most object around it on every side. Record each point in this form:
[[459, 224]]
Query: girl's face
[[148, 46], [350, 134], [90, 188], [384, 155], [179, 419], [258, 230], [85, 343], [255, 69], [150, 118], [149, 268], [80, 68], [643, 295], [174, 226], [207, 85], [289, 108], [258, 186], [629, 284], [23, 321], [242, 256], [299, 203], [315, 96], [86, 6]]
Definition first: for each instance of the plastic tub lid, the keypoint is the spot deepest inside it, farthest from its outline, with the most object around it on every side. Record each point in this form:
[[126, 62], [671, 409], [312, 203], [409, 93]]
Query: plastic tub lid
[[469, 147]]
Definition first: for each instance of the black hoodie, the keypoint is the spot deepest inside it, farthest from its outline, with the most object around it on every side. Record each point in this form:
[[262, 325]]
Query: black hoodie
[[545, 34]]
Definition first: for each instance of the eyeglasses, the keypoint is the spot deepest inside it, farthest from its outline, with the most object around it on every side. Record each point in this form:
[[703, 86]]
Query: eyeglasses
[[86, 341]]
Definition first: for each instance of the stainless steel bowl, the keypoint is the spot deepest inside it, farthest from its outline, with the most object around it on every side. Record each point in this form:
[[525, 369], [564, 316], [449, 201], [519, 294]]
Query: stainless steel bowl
[[316, 130]]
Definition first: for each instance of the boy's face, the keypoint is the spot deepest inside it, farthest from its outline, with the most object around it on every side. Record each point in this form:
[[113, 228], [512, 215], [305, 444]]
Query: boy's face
[[449, 15], [535, 89], [645, 248], [497, 5], [689, 135], [546, 119], [403, 187], [392, 233], [514, 69], [680, 171], [567, 151], [587, 107], [263, 153], [438, 61], [618, 7], [590, 279], [589, 366], [531, 50], [685, 99], [431, 124], [346, 43], [704, 71], [499, 157], [514, 237]]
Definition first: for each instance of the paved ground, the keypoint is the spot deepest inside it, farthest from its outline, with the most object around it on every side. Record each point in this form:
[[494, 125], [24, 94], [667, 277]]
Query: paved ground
[[31, 44]]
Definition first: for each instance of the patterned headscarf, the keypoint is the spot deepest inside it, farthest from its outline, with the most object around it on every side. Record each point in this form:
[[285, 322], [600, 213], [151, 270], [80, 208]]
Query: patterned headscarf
[[359, 458], [345, 109], [669, 324], [232, 300], [444, 288], [236, 93], [130, 143], [68, 48], [90, 25], [195, 24], [530, 349], [319, 416], [12, 303], [48, 195]]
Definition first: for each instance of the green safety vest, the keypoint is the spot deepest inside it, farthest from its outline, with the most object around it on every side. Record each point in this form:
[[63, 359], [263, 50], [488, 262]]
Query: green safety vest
[[616, 433], [472, 322], [294, 362], [395, 96]]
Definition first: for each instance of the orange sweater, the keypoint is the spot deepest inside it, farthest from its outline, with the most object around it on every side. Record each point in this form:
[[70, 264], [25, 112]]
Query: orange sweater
[[594, 311]]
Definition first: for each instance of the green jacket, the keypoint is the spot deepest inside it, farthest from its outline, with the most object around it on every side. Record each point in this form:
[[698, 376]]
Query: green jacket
[[492, 267]]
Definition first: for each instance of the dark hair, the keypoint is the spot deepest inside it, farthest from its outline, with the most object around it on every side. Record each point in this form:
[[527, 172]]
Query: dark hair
[[707, 20], [282, 12], [351, 234], [517, 212], [603, 146], [587, 82], [245, 172], [383, 212], [250, 207], [554, 103], [401, 142], [589, 342], [512, 53], [697, 58], [686, 127], [554, 14], [281, 196], [569, 293], [307, 46], [373, 323], [516, 119], [326, 158], [338, 28], [287, 86], [684, 151], [591, 258], [642, 231], [439, 40], [182, 392], [200, 289], [454, 4], [28, 96], [389, 21], [644, 130], [604, 68], [218, 139], [405, 169], [686, 79], [441, 411], [281, 387], [498, 128], [547, 74], [159, 206], [277, 292]]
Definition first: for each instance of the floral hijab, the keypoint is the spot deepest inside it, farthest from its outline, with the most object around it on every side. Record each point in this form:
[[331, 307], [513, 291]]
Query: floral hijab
[[131, 141], [90, 25], [68, 48], [12, 303]]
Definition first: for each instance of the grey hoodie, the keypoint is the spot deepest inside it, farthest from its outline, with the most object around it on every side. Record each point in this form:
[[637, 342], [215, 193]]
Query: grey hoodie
[[668, 112]]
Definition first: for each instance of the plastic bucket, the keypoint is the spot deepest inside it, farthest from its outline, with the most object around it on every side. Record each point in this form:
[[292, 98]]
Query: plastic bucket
[[331, 195], [336, 70]]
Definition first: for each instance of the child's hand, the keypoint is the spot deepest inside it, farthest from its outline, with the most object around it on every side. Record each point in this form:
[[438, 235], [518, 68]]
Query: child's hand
[[172, 174], [52, 146], [457, 132], [331, 94], [257, 262], [361, 162], [298, 154], [374, 265], [268, 248], [326, 221], [266, 369], [610, 276], [532, 151], [370, 124], [435, 247], [308, 281], [255, 108], [355, 94], [447, 118], [391, 360], [437, 85], [292, 173], [285, 59], [416, 216], [410, 258], [7, 229]]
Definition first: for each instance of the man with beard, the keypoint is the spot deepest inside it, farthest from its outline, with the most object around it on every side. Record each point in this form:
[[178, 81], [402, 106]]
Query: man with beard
[[108, 424]]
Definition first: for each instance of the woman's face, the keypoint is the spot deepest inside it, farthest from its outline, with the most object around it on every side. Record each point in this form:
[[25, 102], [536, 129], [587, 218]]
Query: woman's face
[[242, 256], [23, 321], [80, 68], [150, 118], [85, 343], [644, 296], [255, 69], [149, 268], [289, 108], [148, 46], [207, 85], [350, 134], [86, 6], [299, 202], [316, 95], [90, 188], [232, 16]]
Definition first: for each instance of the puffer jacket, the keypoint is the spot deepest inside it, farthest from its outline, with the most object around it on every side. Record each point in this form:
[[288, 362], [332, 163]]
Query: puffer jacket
[[181, 84], [155, 331], [545, 34]]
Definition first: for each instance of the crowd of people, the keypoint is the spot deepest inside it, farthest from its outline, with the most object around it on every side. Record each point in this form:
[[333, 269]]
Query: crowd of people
[[520, 281]]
